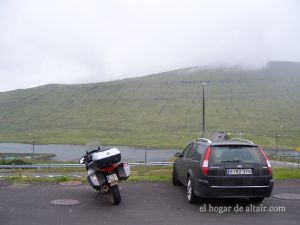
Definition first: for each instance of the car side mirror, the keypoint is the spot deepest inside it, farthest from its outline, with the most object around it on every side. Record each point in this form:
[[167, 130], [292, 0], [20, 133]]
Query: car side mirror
[[178, 154], [82, 161]]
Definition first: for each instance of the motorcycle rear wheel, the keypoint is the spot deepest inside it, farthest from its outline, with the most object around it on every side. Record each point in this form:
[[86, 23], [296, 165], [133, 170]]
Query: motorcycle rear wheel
[[115, 195]]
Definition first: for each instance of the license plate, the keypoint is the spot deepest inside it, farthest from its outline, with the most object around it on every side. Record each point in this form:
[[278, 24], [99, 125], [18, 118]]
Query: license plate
[[239, 172], [112, 178]]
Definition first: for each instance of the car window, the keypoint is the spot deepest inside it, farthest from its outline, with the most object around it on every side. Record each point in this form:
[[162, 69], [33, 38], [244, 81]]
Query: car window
[[247, 154], [196, 154], [185, 151], [190, 151], [201, 148]]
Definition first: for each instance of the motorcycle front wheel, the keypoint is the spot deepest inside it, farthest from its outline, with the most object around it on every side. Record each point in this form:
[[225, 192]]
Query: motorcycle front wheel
[[115, 195]]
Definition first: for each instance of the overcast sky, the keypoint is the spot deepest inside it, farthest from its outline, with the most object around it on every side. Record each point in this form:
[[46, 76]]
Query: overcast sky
[[73, 41]]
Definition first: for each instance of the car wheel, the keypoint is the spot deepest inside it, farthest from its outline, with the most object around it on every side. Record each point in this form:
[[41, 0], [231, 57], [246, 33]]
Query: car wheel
[[175, 180], [256, 200], [191, 197]]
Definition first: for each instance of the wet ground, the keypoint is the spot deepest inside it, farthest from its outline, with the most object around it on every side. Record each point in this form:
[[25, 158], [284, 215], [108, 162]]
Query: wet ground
[[142, 203]]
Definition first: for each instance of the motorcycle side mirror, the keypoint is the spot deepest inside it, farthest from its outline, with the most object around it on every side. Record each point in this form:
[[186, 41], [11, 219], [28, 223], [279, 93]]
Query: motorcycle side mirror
[[178, 154], [81, 161]]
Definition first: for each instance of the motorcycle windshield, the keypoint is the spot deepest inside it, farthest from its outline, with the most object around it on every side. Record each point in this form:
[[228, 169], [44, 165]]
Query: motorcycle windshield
[[93, 146]]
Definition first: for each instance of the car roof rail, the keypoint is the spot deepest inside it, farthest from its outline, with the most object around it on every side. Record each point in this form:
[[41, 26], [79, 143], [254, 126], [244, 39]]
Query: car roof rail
[[204, 140], [241, 139]]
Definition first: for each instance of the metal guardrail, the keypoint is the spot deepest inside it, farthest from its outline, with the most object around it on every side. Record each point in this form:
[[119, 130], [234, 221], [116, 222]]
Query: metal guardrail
[[290, 159], [40, 166]]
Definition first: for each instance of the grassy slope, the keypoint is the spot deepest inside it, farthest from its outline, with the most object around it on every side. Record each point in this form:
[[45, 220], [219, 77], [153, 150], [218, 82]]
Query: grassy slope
[[162, 110]]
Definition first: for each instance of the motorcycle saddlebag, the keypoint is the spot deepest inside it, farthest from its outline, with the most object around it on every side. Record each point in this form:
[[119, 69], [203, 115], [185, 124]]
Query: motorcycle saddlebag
[[95, 179], [102, 159], [123, 171]]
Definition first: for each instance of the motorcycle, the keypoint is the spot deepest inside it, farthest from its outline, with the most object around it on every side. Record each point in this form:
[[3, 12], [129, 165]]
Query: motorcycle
[[105, 170]]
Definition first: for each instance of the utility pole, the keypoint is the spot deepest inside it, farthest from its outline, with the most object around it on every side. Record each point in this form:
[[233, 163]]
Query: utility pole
[[203, 109]]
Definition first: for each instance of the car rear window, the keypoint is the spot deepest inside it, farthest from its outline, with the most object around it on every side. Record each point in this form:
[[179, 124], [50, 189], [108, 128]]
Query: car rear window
[[247, 154]]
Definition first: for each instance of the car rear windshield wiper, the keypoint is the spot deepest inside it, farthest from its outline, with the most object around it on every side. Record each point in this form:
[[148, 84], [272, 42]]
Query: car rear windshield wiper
[[233, 161]]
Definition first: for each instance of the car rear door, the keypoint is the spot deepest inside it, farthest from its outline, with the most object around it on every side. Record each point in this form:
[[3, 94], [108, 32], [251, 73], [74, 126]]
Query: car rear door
[[193, 159], [181, 165], [189, 162]]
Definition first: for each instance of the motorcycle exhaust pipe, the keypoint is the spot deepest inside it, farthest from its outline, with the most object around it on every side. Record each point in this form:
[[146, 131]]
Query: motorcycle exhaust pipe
[[104, 189]]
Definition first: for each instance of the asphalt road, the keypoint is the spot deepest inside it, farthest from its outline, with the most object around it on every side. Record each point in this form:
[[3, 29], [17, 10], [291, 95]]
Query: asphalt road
[[155, 203]]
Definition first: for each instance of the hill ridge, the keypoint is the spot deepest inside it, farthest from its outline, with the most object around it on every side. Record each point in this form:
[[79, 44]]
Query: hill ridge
[[160, 110]]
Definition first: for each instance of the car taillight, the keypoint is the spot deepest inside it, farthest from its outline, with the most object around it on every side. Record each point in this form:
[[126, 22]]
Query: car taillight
[[267, 161], [205, 162]]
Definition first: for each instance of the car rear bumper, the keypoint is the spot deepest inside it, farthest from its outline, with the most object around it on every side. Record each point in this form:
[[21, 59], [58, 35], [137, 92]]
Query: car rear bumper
[[203, 189]]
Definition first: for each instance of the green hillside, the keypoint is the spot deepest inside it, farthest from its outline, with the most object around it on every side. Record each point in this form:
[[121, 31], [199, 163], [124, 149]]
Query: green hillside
[[161, 110]]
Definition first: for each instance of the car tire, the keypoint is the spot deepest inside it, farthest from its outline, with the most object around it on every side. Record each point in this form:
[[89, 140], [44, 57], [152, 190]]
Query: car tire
[[190, 195], [175, 180], [256, 200]]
